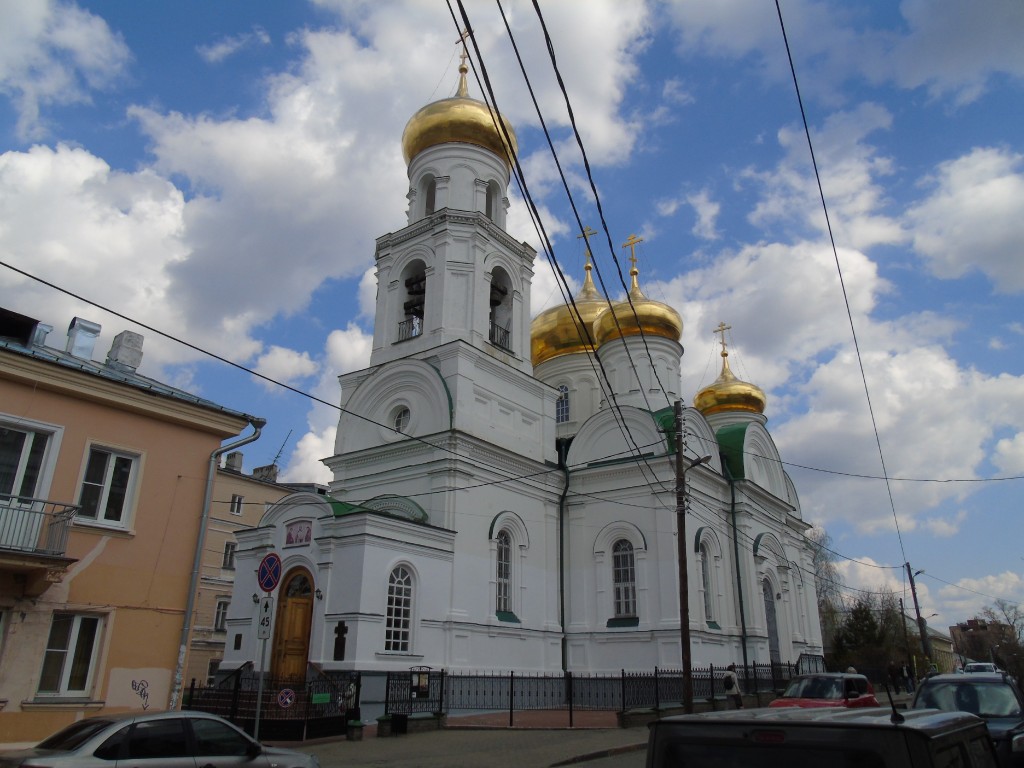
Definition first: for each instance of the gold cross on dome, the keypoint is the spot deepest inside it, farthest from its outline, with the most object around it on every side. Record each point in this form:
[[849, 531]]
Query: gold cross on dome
[[465, 51], [587, 234], [722, 328], [631, 243]]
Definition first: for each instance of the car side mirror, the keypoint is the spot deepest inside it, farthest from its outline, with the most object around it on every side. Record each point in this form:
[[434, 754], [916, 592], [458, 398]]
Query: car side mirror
[[255, 750]]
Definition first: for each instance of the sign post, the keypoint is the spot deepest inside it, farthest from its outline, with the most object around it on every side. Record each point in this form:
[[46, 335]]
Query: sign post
[[268, 576]]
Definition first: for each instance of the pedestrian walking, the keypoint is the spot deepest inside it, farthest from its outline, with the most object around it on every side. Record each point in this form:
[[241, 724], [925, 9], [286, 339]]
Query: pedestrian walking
[[732, 686]]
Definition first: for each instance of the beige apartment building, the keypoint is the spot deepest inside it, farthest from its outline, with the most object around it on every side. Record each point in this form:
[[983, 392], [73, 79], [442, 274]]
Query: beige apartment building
[[105, 478]]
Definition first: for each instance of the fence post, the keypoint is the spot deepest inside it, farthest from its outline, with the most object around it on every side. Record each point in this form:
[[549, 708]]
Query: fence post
[[234, 696], [440, 704], [305, 710], [775, 685], [511, 696], [387, 694], [568, 677], [711, 682], [657, 693], [191, 695], [622, 691]]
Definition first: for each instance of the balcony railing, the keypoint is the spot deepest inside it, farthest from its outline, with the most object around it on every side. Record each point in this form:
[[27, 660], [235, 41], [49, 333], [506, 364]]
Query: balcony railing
[[500, 337], [410, 328], [34, 526]]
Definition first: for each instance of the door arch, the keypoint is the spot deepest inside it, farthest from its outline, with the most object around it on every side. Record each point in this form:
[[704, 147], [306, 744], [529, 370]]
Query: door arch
[[294, 621]]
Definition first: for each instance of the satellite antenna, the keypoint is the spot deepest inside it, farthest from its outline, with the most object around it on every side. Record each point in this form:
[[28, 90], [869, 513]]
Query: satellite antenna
[[281, 449]]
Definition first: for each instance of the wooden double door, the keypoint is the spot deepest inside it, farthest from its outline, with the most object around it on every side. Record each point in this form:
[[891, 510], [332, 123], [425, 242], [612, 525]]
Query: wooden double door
[[291, 631]]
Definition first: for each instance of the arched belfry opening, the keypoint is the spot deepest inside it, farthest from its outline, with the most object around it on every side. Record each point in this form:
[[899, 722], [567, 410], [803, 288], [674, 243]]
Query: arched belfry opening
[[429, 190], [414, 297], [500, 333], [493, 201]]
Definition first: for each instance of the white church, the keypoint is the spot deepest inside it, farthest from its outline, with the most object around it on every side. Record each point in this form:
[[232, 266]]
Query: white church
[[504, 492]]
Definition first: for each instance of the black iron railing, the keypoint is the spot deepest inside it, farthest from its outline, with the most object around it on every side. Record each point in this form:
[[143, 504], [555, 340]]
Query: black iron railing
[[36, 526], [500, 337]]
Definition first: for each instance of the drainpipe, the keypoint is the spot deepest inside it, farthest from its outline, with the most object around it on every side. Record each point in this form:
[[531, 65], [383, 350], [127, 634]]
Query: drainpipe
[[736, 557], [197, 561], [563, 451]]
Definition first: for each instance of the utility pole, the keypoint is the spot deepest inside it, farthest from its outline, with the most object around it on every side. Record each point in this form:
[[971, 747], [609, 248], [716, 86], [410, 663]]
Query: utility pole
[[922, 625], [903, 621], [682, 466]]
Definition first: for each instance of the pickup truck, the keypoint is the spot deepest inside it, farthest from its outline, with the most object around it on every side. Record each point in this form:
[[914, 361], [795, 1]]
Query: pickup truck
[[820, 738]]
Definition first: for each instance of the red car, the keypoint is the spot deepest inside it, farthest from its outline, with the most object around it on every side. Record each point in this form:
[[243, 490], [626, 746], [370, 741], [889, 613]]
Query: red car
[[828, 689]]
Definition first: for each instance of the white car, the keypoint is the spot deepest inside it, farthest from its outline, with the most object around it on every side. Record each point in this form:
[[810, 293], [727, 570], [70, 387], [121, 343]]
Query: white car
[[981, 666], [158, 740]]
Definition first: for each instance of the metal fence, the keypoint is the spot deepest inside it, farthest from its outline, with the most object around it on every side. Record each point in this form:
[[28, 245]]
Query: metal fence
[[424, 690], [290, 709]]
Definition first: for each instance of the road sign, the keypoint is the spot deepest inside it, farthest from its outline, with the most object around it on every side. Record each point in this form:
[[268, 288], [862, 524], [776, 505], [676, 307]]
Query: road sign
[[269, 573], [265, 625], [286, 698]]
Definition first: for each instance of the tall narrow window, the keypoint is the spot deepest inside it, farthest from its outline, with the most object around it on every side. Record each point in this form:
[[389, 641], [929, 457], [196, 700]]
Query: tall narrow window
[[493, 191], [69, 655], [398, 629], [430, 201], [106, 488], [236, 504], [229, 555], [706, 582], [220, 617], [624, 578], [562, 405], [504, 572]]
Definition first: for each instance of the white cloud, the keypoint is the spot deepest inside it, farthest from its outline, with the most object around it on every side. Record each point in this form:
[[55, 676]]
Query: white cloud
[[232, 44], [972, 218], [285, 365], [707, 213], [54, 53]]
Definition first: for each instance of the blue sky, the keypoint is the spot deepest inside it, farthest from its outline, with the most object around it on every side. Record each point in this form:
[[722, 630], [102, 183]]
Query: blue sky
[[219, 171]]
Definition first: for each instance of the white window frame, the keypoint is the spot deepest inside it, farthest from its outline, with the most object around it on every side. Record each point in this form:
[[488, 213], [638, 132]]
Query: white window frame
[[399, 612], [128, 503], [562, 405], [707, 582], [220, 614], [69, 653], [230, 548], [237, 502], [503, 572], [624, 605], [44, 476]]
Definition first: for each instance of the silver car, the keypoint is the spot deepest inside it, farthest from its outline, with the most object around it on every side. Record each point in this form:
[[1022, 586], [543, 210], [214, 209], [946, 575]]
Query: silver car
[[156, 740]]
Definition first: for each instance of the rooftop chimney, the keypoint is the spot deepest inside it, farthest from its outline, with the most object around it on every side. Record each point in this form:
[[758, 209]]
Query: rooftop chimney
[[126, 351], [267, 474], [233, 462], [82, 335]]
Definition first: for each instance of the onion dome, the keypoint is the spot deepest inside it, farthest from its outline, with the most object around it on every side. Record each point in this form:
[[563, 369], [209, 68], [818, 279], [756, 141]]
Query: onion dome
[[637, 315], [559, 331], [727, 393], [458, 119]]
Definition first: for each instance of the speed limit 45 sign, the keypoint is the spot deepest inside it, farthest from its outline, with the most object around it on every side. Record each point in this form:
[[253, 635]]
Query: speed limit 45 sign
[[265, 623]]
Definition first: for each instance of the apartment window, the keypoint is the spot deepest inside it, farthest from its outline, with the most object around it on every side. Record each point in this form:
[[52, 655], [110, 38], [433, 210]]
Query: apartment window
[[69, 656], [106, 489], [504, 572], [624, 579], [21, 461], [562, 405], [211, 671], [397, 632], [220, 617], [230, 548], [236, 504]]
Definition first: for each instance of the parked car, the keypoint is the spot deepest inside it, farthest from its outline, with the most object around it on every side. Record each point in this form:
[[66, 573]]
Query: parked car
[[995, 698], [821, 738], [827, 689], [157, 739], [980, 666]]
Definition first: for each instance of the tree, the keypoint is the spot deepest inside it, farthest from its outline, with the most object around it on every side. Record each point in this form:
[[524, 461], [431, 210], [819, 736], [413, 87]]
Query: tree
[[1008, 648], [828, 584]]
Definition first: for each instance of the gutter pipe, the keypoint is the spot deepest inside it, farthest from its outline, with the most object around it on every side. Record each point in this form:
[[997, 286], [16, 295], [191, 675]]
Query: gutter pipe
[[193, 585]]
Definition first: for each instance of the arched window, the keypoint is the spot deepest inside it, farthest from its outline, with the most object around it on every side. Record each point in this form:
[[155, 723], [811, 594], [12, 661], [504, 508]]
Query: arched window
[[414, 280], [398, 630], [402, 416], [562, 405], [503, 576], [624, 578], [430, 196], [493, 190], [501, 309], [706, 583]]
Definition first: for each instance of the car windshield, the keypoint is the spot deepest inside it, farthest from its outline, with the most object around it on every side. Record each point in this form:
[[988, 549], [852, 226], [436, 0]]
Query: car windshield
[[814, 688], [984, 699], [74, 735]]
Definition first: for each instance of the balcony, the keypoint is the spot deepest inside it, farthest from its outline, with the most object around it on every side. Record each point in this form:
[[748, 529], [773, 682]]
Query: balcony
[[33, 541]]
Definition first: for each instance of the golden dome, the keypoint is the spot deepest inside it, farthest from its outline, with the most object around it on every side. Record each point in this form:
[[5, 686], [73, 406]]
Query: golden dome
[[558, 331], [727, 393], [458, 119], [650, 317]]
